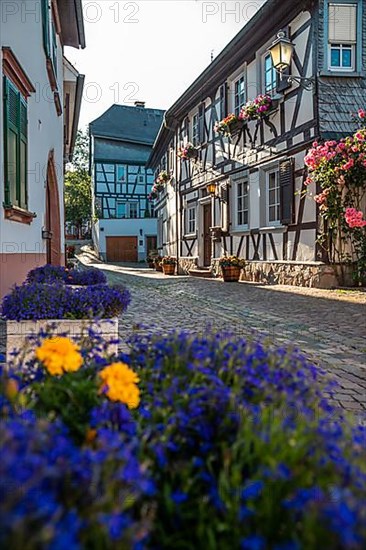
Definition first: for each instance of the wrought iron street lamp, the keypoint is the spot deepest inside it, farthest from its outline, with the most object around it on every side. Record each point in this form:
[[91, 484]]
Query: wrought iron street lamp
[[281, 51]]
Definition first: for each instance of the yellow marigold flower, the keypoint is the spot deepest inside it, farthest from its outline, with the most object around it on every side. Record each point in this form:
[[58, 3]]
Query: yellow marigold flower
[[59, 355], [119, 384]]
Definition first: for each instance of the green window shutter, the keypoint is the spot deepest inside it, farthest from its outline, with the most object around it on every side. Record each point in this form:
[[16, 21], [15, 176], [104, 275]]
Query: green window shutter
[[11, 142], [15, 146], [46, 27], [23, 154]]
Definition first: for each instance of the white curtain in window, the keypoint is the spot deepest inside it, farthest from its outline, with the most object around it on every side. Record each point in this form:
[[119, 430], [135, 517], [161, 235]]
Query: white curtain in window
[[342, 23]]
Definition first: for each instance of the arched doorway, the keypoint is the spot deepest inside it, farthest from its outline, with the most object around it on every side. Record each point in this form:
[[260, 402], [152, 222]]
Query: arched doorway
[[53, 219]]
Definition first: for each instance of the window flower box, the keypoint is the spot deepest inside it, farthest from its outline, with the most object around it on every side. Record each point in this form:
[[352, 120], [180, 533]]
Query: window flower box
[[188, 152], [230, 126]]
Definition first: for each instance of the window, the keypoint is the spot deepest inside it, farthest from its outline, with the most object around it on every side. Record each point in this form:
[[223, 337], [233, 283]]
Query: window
[[270, 76], [121, 173], [127, 209], [49, 40], [15, 145], [342, 36], [191, 220], [242, 203], [195, 131], [239, 95], [121, 209], [223, 107], [273, 197], [133, 209]]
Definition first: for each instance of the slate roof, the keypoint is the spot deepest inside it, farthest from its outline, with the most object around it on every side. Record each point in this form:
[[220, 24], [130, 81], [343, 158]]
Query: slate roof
[[338, 99], [111, 150], [131, 124]]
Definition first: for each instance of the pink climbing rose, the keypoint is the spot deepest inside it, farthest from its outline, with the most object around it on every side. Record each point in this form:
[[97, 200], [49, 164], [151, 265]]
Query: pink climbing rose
[[354, 218]]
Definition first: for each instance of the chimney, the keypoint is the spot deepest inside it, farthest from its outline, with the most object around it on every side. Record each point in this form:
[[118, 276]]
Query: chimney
[[140, 104]]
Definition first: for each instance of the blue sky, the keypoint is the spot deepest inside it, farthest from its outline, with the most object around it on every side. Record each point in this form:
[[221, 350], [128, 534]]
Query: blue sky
[[151, 50]]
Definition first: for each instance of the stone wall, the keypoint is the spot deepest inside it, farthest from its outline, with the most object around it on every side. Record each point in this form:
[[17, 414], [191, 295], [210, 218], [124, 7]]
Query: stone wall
[[186, 264], [308, 274]]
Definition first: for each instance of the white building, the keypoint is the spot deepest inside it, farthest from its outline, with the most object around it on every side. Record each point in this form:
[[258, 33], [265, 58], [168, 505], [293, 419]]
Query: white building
[[40, 95], [244, 195]]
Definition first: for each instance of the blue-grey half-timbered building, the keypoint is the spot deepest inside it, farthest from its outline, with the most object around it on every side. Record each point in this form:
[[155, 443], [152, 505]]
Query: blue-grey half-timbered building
[[120, 141], [244, 195]]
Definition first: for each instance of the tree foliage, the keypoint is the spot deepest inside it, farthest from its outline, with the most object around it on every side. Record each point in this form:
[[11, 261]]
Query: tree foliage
[[78, 188]]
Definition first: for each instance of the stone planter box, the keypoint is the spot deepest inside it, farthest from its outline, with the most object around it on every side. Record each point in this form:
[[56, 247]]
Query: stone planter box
[[18, 332]]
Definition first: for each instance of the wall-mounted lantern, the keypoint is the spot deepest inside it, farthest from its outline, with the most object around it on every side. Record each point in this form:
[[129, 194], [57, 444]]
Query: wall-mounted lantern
[[211, 189], [282, 51]]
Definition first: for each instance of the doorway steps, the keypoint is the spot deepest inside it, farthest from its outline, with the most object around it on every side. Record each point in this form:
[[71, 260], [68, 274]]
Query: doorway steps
[[201, 272]]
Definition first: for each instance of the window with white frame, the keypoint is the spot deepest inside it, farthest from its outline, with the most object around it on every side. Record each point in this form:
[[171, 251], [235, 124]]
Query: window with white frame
[[242, 203], [191, 220], [195, 130], [126, 209], [273, 197], [239, 95], [270, 75], [342, 36]]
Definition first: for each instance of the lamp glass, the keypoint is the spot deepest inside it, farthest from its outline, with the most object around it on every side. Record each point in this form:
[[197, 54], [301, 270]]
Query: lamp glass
[[281, 52], [211, 188]]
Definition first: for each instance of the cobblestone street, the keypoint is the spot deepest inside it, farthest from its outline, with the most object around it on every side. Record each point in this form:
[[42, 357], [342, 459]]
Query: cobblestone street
[[328, 326]]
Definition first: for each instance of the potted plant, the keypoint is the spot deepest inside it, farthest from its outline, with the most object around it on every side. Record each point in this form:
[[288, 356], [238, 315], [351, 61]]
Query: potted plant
[[188, 152], [168, 263], [229, 126], [150, 261], [33, 307], [231, 267], [157, 263]]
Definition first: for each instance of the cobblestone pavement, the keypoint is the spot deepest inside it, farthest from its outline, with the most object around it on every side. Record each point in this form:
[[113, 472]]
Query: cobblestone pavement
[[327, 325]]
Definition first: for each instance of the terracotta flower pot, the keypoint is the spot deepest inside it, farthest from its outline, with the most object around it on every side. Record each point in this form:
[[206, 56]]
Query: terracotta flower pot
[[231, 273], [169, 269], [158, 266]]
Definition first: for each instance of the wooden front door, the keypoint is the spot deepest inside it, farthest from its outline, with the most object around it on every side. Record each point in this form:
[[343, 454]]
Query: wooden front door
[[151, 244], [52, 217], [207, 241], [121, 249]]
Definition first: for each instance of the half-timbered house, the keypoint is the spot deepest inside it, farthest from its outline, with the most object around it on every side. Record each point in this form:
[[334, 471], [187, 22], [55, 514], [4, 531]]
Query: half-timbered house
[[121, 142], [243, 194]]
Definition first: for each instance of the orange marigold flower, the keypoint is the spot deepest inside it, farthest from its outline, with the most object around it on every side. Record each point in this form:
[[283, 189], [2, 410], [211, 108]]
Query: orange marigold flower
[[59, 355], [119, 384]]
